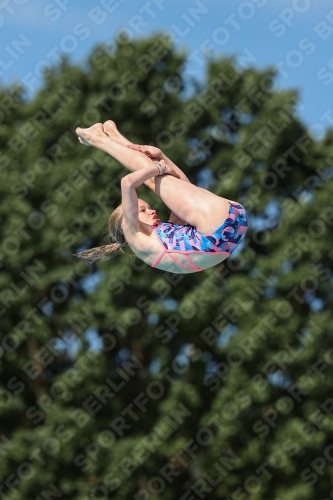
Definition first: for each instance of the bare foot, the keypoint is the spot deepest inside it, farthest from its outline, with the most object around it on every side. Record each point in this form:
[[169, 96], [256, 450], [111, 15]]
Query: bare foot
[[111, 130], [91, 136]]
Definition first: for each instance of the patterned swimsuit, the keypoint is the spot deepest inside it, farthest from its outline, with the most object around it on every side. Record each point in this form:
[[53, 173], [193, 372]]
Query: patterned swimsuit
[[186, 239]]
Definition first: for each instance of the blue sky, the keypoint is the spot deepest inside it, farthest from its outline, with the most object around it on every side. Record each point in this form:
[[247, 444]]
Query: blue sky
[[296, 36]]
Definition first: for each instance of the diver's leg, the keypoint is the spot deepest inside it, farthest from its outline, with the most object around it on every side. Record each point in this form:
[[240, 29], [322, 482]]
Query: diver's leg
[[199, 207]]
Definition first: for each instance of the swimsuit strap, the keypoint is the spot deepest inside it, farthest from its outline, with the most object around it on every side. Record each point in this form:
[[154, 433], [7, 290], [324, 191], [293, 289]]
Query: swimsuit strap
[[193, 268]]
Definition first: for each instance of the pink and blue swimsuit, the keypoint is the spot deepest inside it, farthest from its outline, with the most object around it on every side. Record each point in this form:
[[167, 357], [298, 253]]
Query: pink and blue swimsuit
[[186, 239]]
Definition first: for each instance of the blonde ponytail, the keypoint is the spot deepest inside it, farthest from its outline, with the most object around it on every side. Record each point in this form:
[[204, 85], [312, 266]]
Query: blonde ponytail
[[99, 253], [116, 234]]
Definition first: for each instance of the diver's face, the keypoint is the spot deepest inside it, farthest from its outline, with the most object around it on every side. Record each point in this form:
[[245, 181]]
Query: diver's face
[[146, 213]]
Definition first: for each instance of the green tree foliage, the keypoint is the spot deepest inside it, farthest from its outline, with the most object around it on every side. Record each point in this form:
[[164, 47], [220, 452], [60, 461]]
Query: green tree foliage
[[123, 381]]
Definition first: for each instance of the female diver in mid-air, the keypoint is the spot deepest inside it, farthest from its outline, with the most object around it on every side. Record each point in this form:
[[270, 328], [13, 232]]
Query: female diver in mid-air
[[201, 223]]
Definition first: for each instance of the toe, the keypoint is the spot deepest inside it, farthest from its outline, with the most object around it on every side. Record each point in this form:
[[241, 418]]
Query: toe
[[109, 123]]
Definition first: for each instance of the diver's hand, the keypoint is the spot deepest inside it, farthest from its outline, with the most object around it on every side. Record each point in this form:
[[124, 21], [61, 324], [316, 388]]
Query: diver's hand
[[150, 151]]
